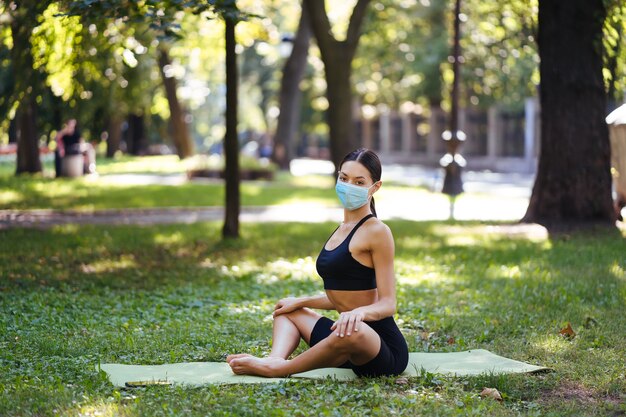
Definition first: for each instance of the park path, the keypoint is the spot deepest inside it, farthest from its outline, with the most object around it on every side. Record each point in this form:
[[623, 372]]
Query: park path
[[479, 210], [496, 197]]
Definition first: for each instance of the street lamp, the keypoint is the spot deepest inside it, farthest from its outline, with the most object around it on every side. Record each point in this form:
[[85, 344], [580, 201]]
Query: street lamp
[[452, 161]]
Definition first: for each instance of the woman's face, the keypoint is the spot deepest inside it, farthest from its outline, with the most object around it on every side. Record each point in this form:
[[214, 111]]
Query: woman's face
[[355, 173]]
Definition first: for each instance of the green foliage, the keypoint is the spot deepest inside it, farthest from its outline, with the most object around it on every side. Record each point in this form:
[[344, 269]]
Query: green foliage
[[501, 55], [96, 59], [615, 50], [80, 296], [405, 48]]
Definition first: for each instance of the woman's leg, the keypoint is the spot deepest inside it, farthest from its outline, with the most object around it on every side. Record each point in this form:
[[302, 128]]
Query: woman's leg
[[287, 331], [359, 348]]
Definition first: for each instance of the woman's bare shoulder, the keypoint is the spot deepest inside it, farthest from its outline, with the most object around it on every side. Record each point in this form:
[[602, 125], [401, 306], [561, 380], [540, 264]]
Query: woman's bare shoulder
[[377, 229]]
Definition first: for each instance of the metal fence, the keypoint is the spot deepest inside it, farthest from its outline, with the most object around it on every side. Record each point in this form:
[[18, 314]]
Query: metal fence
[[497, 139]]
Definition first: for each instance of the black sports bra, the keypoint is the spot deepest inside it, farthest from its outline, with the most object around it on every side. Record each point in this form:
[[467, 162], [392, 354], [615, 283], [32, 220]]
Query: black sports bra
[[340, 271]]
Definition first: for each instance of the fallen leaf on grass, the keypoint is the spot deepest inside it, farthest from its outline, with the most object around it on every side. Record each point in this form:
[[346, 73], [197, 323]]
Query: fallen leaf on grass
[[567, 331], [451, 341], [491, 393]]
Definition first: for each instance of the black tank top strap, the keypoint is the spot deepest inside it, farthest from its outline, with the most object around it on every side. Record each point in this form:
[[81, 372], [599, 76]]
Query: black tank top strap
[[359, 224]]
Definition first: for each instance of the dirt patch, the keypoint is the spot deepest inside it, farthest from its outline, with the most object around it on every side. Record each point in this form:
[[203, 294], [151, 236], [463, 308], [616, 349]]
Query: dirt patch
[[571, 391]]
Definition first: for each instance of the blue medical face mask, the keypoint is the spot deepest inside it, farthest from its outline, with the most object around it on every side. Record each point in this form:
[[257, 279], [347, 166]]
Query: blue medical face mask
[[351, 196]]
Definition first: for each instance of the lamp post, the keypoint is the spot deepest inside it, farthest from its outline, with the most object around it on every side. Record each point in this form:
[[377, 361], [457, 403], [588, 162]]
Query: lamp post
[[452, 161]]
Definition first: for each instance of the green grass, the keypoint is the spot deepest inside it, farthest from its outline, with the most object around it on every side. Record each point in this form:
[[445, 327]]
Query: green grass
[[72, 297], [108, 191]]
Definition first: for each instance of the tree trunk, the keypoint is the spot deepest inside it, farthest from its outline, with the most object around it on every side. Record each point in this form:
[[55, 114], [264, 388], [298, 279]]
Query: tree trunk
[[115, 135], [27, 141], [337, 57], [573, 185], [340, 115], [180, 131], [291, 95], [231, 143], [135, 136], [23, 17], [13, 131], [437, 37]]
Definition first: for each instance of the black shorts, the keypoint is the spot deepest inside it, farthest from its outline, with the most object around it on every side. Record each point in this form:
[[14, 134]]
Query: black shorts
[[392, 358]]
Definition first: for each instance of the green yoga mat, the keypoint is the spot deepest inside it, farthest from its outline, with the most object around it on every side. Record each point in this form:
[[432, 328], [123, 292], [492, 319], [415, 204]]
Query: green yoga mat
[[471, 362]]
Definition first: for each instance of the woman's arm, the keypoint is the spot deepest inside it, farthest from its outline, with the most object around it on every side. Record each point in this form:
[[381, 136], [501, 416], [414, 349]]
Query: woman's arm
[[383, 251], [287, 305]]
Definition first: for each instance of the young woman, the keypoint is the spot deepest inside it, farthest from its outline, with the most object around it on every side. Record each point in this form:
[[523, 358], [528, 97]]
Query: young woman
[[356, 265]]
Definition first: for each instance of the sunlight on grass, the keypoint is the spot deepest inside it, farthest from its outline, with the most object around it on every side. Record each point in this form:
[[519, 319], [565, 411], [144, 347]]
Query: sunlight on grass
[[253, 190], [551, 345], [110, 265], [424, 280], [462, 240], [531, 232], [503, 271], [411, 242], [618, 270], [103, 409], [11, 197], [301, 269], [316, 181], [169, 239], [162, 164], [56, 188], [237, 309], [412, 269]]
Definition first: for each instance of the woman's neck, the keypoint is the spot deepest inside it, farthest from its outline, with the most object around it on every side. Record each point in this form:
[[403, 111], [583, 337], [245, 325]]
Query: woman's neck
[[353, 216]]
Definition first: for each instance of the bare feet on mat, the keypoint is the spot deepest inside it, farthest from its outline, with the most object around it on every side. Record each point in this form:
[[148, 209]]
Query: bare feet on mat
[[250, 365]]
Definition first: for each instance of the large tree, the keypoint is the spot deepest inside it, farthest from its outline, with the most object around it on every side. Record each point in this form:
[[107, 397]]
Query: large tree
[[231, 144], [337, 56], [180, 131], [28, 85], [573, 184], [290, 93]]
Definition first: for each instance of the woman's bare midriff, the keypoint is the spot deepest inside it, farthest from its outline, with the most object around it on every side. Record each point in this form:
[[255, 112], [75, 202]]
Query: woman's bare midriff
[[349, 300]]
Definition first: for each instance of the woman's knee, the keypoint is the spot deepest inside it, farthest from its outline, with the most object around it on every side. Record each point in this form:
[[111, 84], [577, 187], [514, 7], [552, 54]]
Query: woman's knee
[[347, 344], [304, 319], [302, 314]]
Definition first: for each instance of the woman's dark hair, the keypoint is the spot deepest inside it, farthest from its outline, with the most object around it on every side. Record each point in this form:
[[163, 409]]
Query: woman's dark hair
[[369, 160]]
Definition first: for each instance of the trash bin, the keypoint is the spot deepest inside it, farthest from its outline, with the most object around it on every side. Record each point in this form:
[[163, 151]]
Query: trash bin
[[72, 166]]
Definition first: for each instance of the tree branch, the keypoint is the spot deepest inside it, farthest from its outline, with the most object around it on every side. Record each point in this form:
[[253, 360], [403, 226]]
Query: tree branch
[[320, 24], [356, 22]]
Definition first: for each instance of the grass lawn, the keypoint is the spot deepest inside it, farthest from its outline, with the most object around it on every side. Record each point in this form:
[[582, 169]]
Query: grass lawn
[[109, 191], [112, 190], [72, 297]]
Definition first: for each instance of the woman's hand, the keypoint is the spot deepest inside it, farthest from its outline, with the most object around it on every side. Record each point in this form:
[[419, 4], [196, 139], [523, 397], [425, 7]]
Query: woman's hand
[[348, 322], [286, 305]]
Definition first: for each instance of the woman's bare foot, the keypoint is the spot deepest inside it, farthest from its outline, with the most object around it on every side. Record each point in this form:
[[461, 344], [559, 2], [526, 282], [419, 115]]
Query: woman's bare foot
[[250, 365], [236, 356]]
